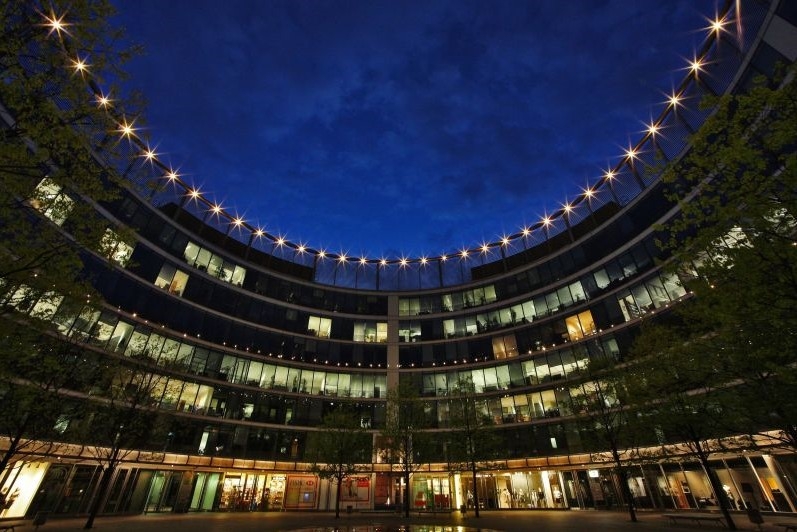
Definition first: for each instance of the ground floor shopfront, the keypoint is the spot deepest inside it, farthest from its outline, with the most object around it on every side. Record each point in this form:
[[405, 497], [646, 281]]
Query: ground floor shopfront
[[755, 481]]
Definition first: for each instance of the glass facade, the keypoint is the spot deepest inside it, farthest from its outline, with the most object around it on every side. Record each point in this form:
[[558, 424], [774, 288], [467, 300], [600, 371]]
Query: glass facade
[[253, 347]]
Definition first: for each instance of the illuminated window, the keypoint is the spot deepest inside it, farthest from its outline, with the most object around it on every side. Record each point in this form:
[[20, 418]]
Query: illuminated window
[[48, 199], [409, 307], [320, 327], [172, 279], [410, 331], [369, 331], [505, 346], [112, 246], [580, 325], [202, 259], [47, 305], [61, 424]]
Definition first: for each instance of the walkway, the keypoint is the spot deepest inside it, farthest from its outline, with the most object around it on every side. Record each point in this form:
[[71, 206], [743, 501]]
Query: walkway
[[504, 521]]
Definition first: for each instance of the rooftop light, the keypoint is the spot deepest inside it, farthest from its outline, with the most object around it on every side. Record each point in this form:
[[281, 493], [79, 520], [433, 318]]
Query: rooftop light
[[80, 65], [103, 100], [56, 24], [126, 128]]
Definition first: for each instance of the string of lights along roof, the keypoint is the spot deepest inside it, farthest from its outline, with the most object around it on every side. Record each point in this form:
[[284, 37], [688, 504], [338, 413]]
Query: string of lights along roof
[[58, 26]]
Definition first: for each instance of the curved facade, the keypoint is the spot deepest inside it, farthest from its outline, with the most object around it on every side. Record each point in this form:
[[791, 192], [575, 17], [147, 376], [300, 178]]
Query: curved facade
[[258, 341]]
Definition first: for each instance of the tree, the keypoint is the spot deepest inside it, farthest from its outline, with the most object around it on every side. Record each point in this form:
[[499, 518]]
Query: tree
[[737, 237], [123, 419], [679, 388], [727, 365], [51, 170], [49, 178], [607, 419], [473, 441], [37, 370], [48, 170], [339, 449], [405, 442]]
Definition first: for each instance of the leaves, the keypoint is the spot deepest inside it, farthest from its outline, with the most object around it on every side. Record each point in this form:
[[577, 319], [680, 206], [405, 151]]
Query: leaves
[[726, 363]]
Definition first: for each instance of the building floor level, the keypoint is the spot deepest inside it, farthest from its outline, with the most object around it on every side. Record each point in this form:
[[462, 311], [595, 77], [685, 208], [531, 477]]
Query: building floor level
[[762, 482]]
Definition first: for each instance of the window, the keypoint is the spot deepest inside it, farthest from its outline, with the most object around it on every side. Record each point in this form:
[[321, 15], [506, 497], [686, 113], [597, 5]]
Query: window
[[602, 278], [172, 279], [490, 380], [48, 199], [505, 346], [238, 275], [580, 325], [673, 286], [103, 329], [112, 247], [121, 334], [577, 291], [657, 292], [47, 305], [369, 331], [477, 296], [22, 298], [320, 327], [202, 259], [409, 307]]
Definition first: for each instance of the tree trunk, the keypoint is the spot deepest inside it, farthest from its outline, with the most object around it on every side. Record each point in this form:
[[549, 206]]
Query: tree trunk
[[475, 490], [11, 451], [337, 496], [407, 493], [719, 493], [100, 493], [13, 445], [621, 476]]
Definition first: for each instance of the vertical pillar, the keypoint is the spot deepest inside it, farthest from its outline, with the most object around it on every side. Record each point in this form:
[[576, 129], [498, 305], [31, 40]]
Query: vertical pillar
[[669, 488], [392, 342], [740, 504], [774, 470], [764, 489]]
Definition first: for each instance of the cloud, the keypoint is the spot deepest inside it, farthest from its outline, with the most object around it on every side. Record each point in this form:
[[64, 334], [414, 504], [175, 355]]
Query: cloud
[[400, 124]]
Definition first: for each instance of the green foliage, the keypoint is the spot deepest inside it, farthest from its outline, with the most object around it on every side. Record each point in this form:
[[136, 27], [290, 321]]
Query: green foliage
[[603, 407], [54, 121], [123, 416], [678, 388], [473, 441], [726, 365], [340, 449], [737, 189], [56, 152], [122, 420], [404, 442], [36, 369]]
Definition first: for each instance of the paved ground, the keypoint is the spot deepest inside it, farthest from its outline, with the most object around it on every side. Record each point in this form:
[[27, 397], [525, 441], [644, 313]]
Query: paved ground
[[504, 521]]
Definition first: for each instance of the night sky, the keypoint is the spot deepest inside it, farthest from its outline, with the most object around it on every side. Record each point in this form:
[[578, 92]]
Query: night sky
[[402, 128]]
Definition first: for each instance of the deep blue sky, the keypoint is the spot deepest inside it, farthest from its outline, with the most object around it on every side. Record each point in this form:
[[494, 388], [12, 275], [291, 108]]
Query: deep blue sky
[[402, 127]]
